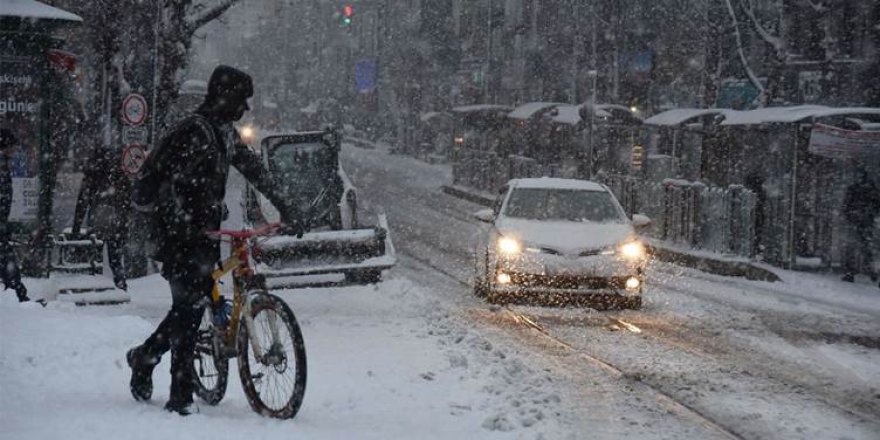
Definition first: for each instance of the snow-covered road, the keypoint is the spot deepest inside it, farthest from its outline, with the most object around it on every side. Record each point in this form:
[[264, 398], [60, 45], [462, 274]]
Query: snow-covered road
[[796, 359], [419, 356]]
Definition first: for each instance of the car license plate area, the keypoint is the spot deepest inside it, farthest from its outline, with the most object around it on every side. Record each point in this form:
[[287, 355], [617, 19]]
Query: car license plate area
[[564, 281]]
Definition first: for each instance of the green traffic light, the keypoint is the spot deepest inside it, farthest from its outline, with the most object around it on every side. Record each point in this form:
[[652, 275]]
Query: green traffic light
[[346, 21]]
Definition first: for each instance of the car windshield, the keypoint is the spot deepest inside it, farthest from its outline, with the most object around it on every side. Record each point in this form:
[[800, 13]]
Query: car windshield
[[563, 204], [302, 168]]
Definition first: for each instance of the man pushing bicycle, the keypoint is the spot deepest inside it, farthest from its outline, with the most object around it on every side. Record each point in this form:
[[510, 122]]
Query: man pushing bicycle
[[182, 186]]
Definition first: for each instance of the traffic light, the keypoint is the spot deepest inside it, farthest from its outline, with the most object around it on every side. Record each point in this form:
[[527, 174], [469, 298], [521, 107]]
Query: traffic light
[[347, 14]]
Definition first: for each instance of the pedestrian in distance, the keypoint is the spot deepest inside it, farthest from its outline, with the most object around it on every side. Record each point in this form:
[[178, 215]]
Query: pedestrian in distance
[[9, 269], [861, 205], [182, 185], [105, 199]]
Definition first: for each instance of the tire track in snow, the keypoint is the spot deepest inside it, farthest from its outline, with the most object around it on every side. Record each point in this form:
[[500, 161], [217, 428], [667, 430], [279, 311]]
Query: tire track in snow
[[668, 401]]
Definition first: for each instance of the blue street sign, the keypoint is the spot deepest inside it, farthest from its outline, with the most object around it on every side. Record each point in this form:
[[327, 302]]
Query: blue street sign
[[365, 75]]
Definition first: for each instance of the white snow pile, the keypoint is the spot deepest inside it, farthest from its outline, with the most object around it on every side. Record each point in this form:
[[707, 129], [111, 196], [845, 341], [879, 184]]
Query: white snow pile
[[384, 362]]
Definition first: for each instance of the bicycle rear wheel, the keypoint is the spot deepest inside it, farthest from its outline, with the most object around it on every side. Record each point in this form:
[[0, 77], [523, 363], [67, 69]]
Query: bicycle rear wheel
[[211, 373], [274, 382]]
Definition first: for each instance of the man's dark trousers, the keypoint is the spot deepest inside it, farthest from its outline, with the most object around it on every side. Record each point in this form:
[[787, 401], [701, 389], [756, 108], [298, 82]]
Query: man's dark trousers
[[190, 285]]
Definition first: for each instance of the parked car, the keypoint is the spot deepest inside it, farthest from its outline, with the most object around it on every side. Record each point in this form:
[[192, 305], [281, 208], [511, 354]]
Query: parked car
[[562, 241]]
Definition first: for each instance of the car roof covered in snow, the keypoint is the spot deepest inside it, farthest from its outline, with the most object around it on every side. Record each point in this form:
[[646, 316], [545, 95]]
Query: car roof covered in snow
[[35, 9], [556, 183]]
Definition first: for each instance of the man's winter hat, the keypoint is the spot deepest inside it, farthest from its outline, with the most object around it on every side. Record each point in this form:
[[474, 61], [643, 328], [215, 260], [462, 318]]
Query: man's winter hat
[[230, 82]]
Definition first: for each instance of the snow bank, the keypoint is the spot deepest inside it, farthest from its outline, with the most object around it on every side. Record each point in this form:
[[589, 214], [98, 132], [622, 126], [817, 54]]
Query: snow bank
[[384, 363]]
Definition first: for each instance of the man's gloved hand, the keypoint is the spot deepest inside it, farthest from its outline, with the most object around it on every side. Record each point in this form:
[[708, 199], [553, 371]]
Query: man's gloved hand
[[293, 223], [292, 228]]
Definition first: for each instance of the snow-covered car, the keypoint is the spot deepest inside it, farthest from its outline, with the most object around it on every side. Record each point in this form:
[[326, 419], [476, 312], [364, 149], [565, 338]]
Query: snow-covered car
[[560, 241]]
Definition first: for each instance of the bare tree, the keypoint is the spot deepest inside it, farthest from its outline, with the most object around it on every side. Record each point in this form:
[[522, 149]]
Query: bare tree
[[177, 26]]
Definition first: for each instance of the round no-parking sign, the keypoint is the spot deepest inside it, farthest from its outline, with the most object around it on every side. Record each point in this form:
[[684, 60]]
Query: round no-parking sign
[[133, 158], [134, 109]]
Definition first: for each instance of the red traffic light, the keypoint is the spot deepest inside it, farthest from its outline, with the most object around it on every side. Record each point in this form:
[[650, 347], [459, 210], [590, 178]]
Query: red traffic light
[[348, 11]]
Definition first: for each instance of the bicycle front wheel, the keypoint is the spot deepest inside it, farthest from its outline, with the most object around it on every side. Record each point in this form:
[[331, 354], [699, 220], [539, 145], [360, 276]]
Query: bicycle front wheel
[[211, 367], [274, 375]]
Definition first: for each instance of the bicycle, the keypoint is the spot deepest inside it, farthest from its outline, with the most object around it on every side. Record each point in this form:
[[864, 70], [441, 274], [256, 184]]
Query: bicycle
[[261, 332]]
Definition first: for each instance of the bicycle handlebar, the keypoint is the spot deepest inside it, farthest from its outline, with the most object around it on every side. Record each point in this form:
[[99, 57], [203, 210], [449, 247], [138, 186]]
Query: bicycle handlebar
[[266, 229]]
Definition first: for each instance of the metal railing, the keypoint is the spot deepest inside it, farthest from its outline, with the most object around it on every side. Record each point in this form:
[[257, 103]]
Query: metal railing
[[691, 214]]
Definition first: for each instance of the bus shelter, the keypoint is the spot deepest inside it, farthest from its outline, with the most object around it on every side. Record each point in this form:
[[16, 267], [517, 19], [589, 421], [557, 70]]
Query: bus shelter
[[797, 160], [478, 131], [36, 105], [434, 134]]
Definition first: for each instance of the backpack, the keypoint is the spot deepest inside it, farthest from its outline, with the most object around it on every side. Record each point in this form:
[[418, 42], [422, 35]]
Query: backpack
[[148, 191], [152, 193]]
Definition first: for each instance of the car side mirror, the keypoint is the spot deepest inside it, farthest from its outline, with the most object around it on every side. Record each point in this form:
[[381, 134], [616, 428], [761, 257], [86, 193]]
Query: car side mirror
[[485, 215], [640, 221]]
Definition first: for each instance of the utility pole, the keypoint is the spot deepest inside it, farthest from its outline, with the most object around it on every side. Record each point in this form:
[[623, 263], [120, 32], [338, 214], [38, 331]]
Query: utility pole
[[488, 52], [593, 73]]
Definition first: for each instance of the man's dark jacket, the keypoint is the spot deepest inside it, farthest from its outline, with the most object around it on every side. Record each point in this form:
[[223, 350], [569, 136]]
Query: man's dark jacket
[[196, 162]]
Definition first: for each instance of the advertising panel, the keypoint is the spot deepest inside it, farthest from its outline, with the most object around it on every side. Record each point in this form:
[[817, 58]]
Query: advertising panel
[[838, 143], [21, 111]]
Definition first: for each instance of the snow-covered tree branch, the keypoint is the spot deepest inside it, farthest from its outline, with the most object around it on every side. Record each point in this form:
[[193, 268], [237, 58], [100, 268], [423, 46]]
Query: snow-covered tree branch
[[778, 44], [745, 62], [209, 16]]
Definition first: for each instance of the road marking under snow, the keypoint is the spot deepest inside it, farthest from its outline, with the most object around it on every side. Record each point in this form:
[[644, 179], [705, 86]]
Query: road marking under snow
[[627, 325]]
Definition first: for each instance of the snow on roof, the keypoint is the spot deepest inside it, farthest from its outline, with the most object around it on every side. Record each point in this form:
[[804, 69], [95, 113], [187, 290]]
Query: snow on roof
[[556, 183], [772, 115], [679, 116], [608, 107], [427, 116], [568, 114], [838, 111], [35, 9], [765, 115], [480, 107], [529, 109]]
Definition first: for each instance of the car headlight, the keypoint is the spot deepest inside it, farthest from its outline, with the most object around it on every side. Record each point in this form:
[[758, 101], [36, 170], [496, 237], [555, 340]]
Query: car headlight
[[508, 246], [633, 250], [248, 133]]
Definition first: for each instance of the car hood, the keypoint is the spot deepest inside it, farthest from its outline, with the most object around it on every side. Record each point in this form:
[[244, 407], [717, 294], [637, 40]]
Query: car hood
[[565, 237]]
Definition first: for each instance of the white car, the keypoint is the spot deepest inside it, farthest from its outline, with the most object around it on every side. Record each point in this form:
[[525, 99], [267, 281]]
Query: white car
[[560, 240]]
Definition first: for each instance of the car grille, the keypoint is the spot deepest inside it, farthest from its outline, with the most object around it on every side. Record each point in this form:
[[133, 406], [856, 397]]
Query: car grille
[[567, 281], [591, 252]]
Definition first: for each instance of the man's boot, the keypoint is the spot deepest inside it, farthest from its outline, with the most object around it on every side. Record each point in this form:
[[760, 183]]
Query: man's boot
[[182, 352], [181, 399], [849, 278], [141, 384]]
